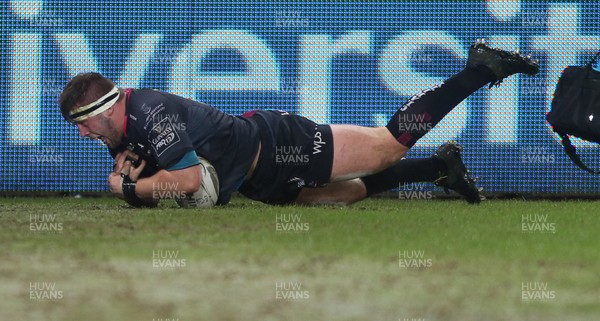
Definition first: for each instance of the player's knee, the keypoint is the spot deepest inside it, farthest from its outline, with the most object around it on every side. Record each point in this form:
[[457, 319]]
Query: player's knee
[[387, 159], [391, 150]]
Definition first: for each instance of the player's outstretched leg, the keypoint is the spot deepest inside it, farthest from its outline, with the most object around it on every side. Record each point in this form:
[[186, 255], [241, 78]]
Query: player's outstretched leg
[[484, 65], [360, 151], [457, 177]]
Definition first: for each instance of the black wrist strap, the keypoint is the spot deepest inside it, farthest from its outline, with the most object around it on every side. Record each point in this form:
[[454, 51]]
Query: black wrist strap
[[129, 192]]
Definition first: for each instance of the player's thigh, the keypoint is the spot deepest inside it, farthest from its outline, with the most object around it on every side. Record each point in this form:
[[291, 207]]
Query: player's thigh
[[344, 192], [359, 151]]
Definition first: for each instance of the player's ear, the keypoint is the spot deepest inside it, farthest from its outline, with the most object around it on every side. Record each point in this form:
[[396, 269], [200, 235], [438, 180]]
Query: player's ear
[[109, 112]]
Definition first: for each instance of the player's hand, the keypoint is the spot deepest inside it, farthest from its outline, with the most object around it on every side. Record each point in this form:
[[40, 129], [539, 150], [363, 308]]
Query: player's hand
[[115, 184], [122, 158], [134, 172], [129, 170]]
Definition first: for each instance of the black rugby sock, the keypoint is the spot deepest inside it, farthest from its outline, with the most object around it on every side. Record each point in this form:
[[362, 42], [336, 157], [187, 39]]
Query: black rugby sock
[[423, 111], [403, 172]]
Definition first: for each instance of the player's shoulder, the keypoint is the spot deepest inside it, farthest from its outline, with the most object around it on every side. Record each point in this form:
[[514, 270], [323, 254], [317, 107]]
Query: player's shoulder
[[144, 103], [143, 108], [149, 97], [138, 97]]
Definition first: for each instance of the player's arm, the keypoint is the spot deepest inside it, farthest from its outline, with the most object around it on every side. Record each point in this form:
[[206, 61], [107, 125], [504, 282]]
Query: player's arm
[[174, 182], [184, 177]]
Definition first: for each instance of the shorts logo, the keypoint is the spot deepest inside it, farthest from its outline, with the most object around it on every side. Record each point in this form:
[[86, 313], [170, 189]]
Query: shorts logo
[[318, 143], [163, 135], [298, 181]]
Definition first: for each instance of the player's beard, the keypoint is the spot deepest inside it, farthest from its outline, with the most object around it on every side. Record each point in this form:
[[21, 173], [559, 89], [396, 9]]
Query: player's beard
[[112, 136]]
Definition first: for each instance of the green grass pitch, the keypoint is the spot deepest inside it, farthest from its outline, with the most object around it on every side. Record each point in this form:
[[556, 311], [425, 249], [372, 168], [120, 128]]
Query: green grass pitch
[[381, 259]]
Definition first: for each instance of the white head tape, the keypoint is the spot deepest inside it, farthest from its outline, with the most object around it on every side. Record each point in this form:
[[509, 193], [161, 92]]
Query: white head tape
[[96, 107]]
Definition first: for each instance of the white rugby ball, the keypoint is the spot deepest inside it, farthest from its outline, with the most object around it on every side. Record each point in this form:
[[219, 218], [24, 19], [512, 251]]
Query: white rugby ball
[[208, 194]]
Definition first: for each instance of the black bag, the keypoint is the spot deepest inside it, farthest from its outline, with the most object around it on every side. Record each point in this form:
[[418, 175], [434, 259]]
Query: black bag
[[576, 108]]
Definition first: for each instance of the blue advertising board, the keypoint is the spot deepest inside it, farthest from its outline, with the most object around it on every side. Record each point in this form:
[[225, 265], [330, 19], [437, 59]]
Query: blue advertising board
[[333, 62]]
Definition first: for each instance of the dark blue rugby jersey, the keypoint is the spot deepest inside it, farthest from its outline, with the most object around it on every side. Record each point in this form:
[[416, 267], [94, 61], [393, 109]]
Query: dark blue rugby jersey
[[162, 128]]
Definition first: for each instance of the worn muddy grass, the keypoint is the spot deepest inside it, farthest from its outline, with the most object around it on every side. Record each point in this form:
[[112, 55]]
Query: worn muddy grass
[[382, 259]]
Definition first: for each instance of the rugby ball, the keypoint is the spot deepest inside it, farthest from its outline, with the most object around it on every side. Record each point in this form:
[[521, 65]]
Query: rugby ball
[[208, 194]]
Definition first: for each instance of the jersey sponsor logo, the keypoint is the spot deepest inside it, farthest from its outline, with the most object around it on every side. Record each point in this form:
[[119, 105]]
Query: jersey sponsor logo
[[145, 108], [163, 135], [151, 114]]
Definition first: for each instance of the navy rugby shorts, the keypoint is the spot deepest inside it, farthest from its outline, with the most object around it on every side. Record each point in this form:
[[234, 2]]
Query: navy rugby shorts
[[295, 153]]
